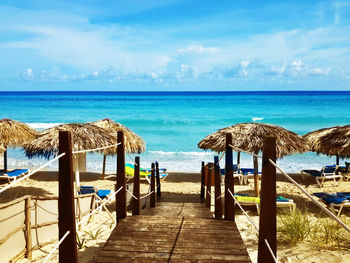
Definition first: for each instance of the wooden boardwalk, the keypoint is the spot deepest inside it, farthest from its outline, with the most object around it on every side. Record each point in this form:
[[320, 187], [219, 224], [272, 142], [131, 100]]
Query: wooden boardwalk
[[179, 229]]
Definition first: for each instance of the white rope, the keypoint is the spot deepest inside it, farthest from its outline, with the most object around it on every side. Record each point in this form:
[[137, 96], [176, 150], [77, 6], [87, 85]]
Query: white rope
[[241, 150], [31, 173], [220, 195], [208, 193], [96, 149], [271, 252], [94, 211], [147, 195], [311, 197], [132, 194], [244, 212], [133, 161], [56, 246]]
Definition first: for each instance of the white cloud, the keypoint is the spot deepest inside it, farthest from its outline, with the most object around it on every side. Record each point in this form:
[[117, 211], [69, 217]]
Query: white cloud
[[198, 49]]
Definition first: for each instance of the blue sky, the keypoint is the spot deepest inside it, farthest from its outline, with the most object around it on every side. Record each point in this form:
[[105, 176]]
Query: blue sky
[[174, 45]]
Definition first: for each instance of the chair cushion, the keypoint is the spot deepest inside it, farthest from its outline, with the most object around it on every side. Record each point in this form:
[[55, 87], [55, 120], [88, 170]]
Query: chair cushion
[[103, 193]]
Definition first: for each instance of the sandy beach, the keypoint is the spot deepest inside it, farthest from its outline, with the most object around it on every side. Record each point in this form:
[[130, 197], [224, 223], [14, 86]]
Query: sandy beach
[[45, 184]]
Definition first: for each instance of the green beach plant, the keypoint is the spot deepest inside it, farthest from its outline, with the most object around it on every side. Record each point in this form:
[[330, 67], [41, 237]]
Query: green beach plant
[[94, 236], [328, 234], [294, 226], [81, 242]]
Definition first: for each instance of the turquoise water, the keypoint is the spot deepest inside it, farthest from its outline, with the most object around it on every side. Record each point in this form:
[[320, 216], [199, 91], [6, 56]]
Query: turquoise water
[[172, 123]]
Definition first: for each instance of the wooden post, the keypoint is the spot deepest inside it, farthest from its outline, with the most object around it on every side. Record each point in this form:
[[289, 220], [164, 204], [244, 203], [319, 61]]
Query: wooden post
[[267, 220], [153, 194], [256, 175], [202, 182], [238, 157], [337, 160], [159, 194], [120, 198], [136, 190], [28, 224], [66, 210], [208, 190], [218, 202], [229, 182], [104, 166], [5, 160]]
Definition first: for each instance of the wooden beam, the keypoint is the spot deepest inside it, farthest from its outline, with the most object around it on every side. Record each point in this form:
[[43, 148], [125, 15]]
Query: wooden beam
[[104, 166], [66, 209], [267, 220], [202, 182], [28, 224], [5, 160], [208, 188], [218, 201], [136, 190], [120, 199], [159, 194], [229, 182], [256, 175], [153, 194]]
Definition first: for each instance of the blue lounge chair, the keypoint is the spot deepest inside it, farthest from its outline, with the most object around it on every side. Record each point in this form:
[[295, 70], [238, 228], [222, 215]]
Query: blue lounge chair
[[327, 172], [236, 173], [102, 194], [14, 174], [338, 200]]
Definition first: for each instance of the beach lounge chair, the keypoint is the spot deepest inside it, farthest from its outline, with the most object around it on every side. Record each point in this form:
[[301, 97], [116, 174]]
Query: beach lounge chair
[[281, 202], [14, 174], [130, 168], [236, 173], [335, 201], [102, 194], [247, 172], [327, 172]]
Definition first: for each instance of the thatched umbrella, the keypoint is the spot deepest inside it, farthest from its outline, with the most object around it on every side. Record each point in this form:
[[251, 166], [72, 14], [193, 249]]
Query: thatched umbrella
[[84, 137], [250, 137], [331, 141], [14, 134], [133, 143]]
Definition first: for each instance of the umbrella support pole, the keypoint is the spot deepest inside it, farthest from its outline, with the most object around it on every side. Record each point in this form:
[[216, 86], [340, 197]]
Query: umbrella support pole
[[5, 160]]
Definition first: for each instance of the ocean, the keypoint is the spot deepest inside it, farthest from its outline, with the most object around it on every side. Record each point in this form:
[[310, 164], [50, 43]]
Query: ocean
[[172, 123]]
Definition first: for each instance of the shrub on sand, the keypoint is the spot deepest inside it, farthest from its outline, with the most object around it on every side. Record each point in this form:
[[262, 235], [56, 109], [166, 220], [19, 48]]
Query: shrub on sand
[[294, 226]]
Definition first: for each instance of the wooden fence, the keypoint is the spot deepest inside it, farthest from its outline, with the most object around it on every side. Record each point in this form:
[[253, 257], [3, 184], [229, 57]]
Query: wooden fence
[[30, 222]]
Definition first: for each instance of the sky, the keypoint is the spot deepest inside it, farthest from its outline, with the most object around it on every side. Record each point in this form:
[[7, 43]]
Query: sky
[[172, 45]]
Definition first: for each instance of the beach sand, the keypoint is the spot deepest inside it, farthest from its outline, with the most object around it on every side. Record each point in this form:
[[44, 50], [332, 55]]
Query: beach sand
[[45, 184]]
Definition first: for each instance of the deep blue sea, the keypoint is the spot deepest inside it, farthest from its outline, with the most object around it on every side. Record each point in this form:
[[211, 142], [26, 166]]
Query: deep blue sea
[[172, 123]]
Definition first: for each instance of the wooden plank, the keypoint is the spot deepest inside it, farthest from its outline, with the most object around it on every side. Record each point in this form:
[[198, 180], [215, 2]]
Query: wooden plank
[[136, 189], [66, 209], [121, 195]]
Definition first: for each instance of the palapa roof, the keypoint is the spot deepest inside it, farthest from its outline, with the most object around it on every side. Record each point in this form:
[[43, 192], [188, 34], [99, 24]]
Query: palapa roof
[[133, 142], [331, 141], [15, 133], [84, 137], [250, 137]]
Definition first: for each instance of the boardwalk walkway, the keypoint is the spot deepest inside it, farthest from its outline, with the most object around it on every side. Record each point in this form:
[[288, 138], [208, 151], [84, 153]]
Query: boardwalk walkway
[[179, 229]]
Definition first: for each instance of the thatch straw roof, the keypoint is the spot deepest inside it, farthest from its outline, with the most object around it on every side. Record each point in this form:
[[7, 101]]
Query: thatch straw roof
[[331, 141], [133, 142], [250, 136], [84, 137], [14, 133]]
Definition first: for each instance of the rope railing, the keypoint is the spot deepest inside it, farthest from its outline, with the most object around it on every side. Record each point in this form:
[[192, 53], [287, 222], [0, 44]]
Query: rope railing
[[96, 149], [56, 246], [94, 211], [244, 212], [327, 211], [132, 159], [241, 150], [31, 173], [255, 226]]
